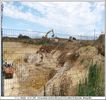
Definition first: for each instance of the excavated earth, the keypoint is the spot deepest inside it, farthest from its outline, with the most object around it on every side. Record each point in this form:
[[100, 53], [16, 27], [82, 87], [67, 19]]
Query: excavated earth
[[48, 70]]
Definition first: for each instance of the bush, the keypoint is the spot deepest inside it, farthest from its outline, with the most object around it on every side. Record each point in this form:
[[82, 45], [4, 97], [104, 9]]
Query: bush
[[23, 37], [93, 86], [43, 43]]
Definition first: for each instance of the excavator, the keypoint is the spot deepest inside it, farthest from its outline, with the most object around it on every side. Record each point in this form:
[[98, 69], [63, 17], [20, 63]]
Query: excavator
[[8, 70], [51, 31], [53, 39], [45, 38]]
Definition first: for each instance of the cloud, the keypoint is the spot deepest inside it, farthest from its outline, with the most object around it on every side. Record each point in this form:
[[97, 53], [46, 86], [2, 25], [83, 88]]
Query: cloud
[[64, 17], [14, 12]]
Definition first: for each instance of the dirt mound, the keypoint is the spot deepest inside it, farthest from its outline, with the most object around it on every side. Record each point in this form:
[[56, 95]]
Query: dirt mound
[[101, 38], [32, 77], [100, 44], [73, 75], [33, 73]]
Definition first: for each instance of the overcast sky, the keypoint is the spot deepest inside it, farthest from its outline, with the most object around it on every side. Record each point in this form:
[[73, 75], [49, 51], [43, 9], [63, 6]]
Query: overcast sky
[[66, 18]]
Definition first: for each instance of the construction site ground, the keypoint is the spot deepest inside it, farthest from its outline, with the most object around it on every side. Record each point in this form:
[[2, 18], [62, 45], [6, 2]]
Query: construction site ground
[[42, 69]]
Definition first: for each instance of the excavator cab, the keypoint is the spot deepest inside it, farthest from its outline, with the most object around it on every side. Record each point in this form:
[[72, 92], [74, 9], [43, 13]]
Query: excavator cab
[[53, 35]]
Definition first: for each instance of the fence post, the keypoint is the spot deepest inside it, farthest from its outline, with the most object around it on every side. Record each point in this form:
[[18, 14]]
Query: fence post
[[44, 90], [2, 78], [94, 34]]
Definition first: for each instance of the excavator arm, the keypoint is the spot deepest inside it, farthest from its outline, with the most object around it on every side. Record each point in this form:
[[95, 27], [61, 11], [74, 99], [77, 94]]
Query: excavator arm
[[51, 31]]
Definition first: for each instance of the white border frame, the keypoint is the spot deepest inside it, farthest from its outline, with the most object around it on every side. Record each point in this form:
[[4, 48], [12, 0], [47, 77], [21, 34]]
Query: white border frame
[[71, 97]]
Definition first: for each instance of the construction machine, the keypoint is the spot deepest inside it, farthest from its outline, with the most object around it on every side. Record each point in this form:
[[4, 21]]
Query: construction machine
[[51, 31], [71, 38], [45, 38], [8, 70]]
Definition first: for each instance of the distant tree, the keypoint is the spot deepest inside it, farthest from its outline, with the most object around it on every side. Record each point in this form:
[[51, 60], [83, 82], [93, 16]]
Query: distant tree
[[23, 36]]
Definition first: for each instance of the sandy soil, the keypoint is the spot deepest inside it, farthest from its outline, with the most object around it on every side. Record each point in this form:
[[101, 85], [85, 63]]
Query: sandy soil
[[11, 86], [33, 74], [12, 51]]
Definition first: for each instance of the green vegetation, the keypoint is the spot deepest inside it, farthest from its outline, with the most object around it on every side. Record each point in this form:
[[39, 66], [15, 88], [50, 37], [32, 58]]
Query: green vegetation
[[94, 85], [42, 43]]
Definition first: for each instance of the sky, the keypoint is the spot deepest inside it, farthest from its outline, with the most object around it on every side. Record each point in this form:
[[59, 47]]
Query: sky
[[65, 18]]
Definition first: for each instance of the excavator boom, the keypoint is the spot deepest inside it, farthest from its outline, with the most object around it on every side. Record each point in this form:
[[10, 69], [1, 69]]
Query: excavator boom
[[50, 32]]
